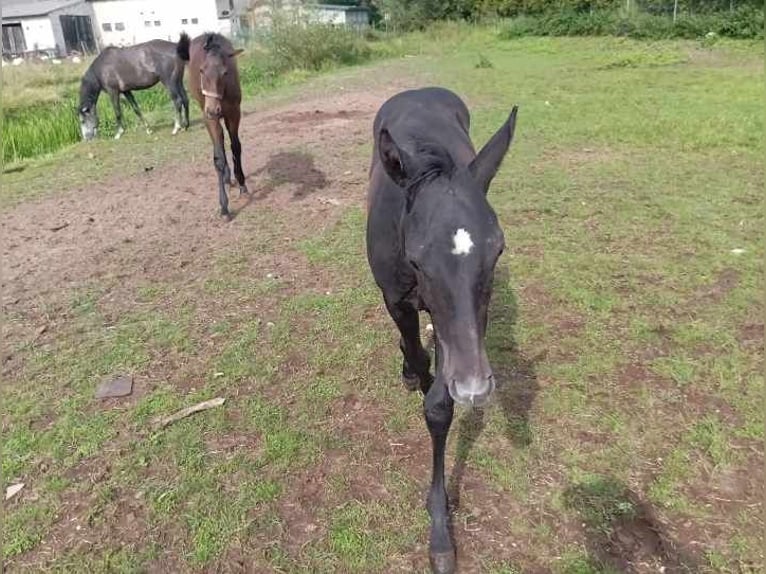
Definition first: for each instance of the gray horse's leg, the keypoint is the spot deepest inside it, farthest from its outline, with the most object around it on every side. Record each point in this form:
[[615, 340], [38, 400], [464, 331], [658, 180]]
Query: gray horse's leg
[[184, 103], [180, 102], [134, 104], [115, 97]]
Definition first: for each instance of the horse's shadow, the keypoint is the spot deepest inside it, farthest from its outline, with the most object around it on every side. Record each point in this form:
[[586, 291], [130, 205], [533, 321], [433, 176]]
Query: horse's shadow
[[294, 168], [515, 377], [622, 531]]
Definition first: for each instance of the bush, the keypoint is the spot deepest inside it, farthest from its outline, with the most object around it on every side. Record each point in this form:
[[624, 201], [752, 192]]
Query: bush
[[745, 22], [300, 44]]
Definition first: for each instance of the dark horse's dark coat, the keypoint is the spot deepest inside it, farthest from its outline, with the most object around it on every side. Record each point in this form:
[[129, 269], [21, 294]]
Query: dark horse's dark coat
[[432, 243], [214, 83], [121, 70]]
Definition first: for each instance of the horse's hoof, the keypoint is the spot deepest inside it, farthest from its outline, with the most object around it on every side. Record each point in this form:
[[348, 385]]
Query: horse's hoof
[[243, 190], [442, 562], [226, 215], [411, 382]]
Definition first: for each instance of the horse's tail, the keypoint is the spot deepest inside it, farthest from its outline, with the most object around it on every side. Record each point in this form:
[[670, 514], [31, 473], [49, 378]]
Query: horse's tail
[[182, 48]]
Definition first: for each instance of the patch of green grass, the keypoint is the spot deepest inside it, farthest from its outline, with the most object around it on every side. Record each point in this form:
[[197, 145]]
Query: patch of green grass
[[675, 470], [709, 436], [681, 370], [601, 501], [25, 527], [351, 540], [120, 560]]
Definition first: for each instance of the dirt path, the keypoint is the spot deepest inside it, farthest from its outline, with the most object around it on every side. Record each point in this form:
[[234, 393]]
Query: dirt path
[[302, 158]]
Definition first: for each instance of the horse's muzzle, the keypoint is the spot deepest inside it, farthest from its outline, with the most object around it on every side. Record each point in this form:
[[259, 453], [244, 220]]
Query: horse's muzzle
[[473, 392]]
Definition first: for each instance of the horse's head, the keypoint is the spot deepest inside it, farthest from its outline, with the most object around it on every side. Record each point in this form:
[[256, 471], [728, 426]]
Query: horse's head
[[88, 116], [214, 70], [452, 241]]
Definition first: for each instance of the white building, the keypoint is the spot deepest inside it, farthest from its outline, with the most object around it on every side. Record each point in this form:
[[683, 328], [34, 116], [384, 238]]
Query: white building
[[52, 26], [64, 26], [259, 13], [127, 22], [351, 16]]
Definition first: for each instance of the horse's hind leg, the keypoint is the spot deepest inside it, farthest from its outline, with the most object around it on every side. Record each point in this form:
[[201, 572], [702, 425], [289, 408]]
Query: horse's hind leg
[[232, 126], [178, 104], [134, 104], [184, 104], [115, 97]]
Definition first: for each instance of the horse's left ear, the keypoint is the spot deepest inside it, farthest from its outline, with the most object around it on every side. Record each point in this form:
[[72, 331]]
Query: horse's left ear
[[485, 165], [237, 52]]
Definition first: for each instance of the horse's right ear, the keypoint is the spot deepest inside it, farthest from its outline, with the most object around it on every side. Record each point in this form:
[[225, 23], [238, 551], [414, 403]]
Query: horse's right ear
[[237, 52], [393, 158]]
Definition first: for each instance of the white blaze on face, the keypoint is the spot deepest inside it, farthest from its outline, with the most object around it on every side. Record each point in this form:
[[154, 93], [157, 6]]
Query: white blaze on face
[[462, 243]]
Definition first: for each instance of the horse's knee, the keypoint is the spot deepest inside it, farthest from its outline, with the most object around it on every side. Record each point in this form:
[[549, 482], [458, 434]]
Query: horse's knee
[[438, 409], [220, 163]]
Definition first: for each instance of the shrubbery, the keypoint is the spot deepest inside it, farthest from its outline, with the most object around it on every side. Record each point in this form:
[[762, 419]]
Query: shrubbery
[[293, 43], [746, 22]]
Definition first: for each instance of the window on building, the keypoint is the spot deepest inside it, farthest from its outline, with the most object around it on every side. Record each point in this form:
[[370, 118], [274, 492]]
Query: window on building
[[147, 23], [119, 26], [106, 27], [195, 21], [184, 20], [157, 23]]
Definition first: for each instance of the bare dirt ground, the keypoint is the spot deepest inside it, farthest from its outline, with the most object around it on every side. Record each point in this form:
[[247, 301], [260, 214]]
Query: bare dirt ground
[[163, 223]]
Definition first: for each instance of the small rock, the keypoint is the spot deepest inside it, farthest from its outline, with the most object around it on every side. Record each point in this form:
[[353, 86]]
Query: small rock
[[218, 374], [738, 251], [269, 324], [13, 490], [119, 386]]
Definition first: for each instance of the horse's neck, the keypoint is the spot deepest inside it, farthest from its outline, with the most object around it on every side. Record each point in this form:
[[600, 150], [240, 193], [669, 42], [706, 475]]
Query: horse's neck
[[90, 88]]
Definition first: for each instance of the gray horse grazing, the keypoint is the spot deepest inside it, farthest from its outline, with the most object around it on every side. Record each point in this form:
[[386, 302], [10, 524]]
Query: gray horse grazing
[[121, 70]]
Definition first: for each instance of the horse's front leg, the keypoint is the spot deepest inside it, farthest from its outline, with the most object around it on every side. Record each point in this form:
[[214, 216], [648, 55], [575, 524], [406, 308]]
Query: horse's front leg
[[439, 408], [232, 126], [115, 98], [416, 363], [219, 161]]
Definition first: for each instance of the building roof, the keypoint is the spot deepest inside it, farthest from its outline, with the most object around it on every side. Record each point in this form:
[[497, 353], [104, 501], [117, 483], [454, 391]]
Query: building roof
[[26, 8]]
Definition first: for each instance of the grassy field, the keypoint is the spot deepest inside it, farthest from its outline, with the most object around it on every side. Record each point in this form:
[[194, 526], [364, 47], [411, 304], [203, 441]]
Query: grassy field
[[626, 333]]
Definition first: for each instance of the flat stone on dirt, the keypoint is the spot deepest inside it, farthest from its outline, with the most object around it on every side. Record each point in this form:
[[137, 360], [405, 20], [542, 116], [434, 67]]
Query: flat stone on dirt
[[115, 386]]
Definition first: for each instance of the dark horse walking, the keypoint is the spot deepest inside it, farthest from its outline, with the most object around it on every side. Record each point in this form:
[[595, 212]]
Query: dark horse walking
[[121, 70], [432, 243], [214, 83]]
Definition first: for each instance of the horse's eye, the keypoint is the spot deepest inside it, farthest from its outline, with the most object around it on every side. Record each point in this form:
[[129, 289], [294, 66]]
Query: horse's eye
[[414, 265]]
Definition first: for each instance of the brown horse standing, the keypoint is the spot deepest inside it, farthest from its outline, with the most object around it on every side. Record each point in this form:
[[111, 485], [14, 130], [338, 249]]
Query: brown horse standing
[[214, 83]]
